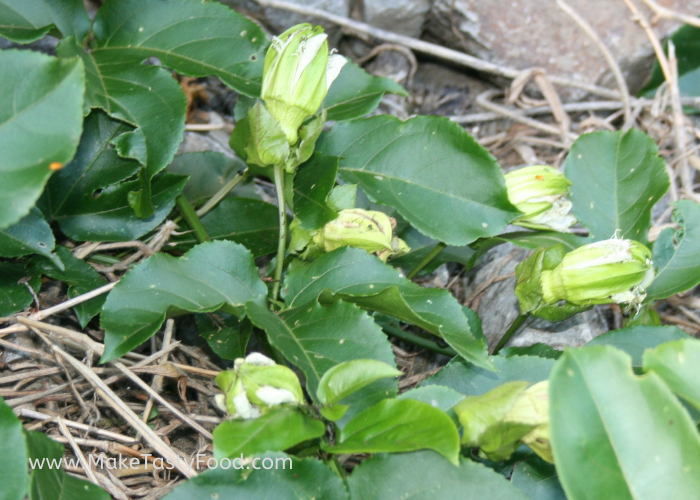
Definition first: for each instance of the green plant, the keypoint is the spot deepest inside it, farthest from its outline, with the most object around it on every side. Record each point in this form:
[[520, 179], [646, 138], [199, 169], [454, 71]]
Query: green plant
[[90, 148]]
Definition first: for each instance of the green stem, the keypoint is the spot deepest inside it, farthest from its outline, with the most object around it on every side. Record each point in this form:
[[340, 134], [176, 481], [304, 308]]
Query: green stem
[[427, 260], [414, 339], [221, 193], [190, 216], [282, 242], [510, 332]]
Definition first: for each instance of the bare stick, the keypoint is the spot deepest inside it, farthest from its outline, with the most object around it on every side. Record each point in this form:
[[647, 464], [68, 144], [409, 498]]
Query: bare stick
[[428, 48], [665, 13], [157, 383], [682, 166], [26, 413], [79, 338], [78, 452], [621, 83]]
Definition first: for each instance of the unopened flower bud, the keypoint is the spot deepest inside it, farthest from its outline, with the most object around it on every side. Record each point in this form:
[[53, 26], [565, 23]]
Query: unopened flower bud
[[532, 408], [255, 386], [297, 74], [540, 193], [610, 271]]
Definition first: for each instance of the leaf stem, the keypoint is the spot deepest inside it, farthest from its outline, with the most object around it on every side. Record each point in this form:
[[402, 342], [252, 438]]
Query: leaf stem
[[282, 242], [414, 339], [510, 332], [190, 216], [221, 193], [427, 260]]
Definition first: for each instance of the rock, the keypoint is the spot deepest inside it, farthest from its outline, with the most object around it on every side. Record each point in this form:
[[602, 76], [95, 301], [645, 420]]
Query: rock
[[498, 307], [280, 20], [523, 34], [405, 17]]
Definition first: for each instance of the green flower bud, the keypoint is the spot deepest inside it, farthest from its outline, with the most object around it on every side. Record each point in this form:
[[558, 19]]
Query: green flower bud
[[297, 73], [540, 193], [255, 386], [609, 271], [532, 408]]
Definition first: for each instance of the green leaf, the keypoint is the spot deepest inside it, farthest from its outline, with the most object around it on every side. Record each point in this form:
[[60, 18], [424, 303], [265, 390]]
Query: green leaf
[[537, 479], [541, 350], [252, 223], [636, 339], [226, 334], [399, 425], [422, 245], [616, 178], [109, 216], [675, 253], [24, 21], [471, 380], [342, 197], [533, 240], [313, 184], [13, 455], [615, 435], [432, 171], [15, 296], [355, 93], [40, 124], [351, 376], [31, 235], [436, 396], [80, 277], [209, 276], [423, 476], [678, 364], [209, 171], [283, 478], [353, 275], [316, 338], [275, 431], [48, 483]]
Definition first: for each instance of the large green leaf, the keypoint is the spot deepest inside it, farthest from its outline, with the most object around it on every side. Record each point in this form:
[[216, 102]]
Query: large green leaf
[[636, 339], [615, 435], [209, 171], [283, 477], [354, 275], [313, 183], [616, 178], [276, 431], [678, 364], [40, 124], [226, 334], [473, 381], [428, 168], [24, 21], [13, 455], [53, 483], [15, 296], [206, 278], [355, 93], [675, 254], [80, 277], [316, 338], [400, 425], [537, 479], [252, 223], [424, 476], [31, 235]]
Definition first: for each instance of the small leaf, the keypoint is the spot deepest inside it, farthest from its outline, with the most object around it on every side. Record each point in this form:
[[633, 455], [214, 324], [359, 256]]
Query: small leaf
[[533, 240], [421, 246], [613, 431], [398, 425], [436, 396], [541, 350], [423, 476], [40, 124], [432, 171], [355, 93], [31, 235], [25, 21], [278, 476], [275, 431], [678, 364], [616, 178], [635, 340], [209, 276], [15, 296], [226, 334], [209, 171], [675, 253], [350, 376], [313, 183], [13, 455]]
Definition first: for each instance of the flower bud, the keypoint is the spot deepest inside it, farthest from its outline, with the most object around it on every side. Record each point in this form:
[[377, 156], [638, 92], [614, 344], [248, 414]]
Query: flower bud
[[609, 271], [532, 408], [296, 76], [540, 193], [255, 386]]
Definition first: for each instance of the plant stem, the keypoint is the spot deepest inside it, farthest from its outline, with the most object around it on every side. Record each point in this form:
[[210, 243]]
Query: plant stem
[[190, 216], [221, 193], [427, 260], [414, 339], [282, 242], [510, 332]]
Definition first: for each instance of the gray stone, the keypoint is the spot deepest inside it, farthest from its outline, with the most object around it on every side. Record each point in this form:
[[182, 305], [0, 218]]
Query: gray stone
[[400, 16], [498, 307], [280, 20], [524, 34]]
